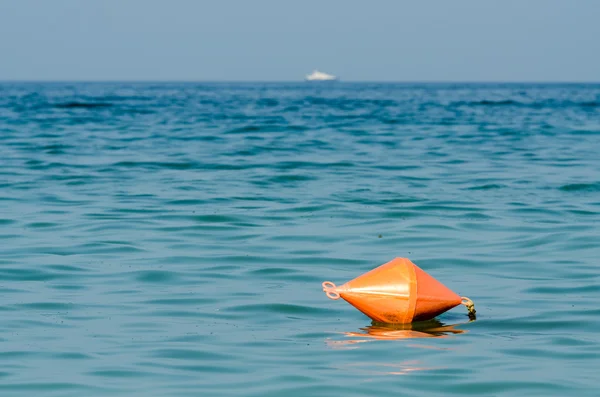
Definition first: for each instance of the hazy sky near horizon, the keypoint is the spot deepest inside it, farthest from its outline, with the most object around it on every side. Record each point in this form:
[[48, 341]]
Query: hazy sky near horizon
[[274, 40]]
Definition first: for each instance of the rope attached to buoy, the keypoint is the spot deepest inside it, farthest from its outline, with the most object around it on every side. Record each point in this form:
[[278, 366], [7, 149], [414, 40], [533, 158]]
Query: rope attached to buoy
[[470, 306]]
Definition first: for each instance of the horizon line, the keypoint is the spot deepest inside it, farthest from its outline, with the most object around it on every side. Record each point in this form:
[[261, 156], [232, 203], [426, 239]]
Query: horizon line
[[166, 81]]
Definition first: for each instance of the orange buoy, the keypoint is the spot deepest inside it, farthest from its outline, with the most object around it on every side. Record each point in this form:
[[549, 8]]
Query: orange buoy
[[397, 292]]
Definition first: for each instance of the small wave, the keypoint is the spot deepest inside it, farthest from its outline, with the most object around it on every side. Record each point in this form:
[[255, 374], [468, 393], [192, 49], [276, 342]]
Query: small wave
[[581, 187], [349, 102], [535, 105], [267, 102], [278, 308], [184, 165], [155, 276], [241, 130], [489, 186], [489, 102], [585, 132], [83, 105], [286, 179], [506, 102], [278, 126]]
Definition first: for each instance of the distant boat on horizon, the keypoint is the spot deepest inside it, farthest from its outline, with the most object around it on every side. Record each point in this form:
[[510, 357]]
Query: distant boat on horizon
[[320, 76]]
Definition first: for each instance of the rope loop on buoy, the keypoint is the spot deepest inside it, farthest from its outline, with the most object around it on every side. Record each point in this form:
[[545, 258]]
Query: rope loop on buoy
[[330, 290], [470, 306]]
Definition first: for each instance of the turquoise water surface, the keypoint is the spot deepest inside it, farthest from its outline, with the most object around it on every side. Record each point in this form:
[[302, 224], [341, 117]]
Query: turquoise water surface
[[171, 239]]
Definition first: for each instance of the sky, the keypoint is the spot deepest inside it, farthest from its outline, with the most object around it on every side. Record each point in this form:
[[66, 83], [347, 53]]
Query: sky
[[283, 40]]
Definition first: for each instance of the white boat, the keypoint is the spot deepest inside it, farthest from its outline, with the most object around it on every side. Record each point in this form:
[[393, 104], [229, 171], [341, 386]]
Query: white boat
[[320, 76]]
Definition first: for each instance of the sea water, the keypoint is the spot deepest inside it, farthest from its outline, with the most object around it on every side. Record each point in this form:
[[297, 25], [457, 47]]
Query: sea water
[[171, 239]]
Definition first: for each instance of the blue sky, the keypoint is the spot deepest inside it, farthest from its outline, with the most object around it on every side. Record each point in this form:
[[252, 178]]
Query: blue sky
[[281, 40]]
